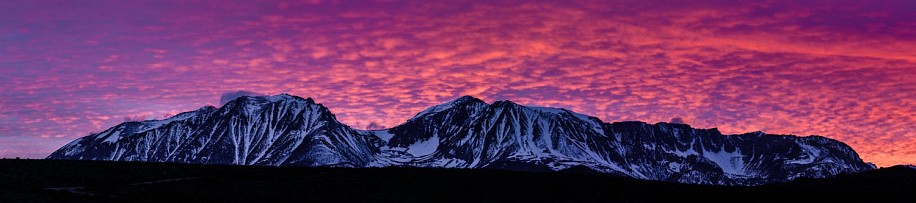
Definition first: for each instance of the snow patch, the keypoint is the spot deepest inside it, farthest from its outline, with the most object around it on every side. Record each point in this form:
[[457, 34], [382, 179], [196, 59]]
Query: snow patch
[[425, 147], [810, 154], [73, 147], [687, 152], [595, 126], [153, 124], [729, 162], [113, 137], [435, 109], [279, 97], [382, 134], [676, 167]]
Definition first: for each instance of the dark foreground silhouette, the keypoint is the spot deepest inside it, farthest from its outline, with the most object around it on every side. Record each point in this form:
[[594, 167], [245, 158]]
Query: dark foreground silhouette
[[98, 181]]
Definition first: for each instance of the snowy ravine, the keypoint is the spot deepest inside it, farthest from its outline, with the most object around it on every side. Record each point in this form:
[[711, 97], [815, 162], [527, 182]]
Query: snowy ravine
[[466, 133]]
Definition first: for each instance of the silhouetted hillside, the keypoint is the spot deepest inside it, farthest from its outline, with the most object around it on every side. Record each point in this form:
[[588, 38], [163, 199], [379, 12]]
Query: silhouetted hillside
[[96, 181]]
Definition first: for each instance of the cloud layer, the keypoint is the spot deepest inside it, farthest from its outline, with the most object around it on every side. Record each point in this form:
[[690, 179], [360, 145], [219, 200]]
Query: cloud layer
[[839, 69]]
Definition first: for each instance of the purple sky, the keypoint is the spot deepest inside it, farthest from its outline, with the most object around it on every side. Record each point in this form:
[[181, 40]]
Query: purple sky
[[841, 69]]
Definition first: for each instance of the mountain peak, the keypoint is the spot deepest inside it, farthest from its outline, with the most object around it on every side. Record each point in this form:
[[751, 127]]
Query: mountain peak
[[466, 98], [460, 101], [282, 102], [280, 97], [274, 98], [287, 96], [207, 108], [505, 103]]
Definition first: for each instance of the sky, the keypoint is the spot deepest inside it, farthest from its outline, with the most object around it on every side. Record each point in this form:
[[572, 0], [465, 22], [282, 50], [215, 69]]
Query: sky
[[840, 69]]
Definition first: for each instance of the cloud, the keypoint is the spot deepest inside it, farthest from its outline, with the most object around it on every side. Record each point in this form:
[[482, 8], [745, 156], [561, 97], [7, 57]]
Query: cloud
[[229, 96], [375, 126], [677, 120]]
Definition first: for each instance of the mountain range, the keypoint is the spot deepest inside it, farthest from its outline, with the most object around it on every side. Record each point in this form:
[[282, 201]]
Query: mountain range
[[286, 130]]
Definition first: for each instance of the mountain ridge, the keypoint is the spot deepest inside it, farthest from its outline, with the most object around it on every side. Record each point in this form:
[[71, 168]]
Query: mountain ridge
[[467, 133]]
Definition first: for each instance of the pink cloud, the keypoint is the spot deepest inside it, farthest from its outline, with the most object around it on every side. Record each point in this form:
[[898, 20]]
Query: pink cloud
[[781, 67]]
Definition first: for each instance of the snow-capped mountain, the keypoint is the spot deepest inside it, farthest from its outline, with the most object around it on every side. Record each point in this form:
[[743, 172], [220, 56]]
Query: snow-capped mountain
[[467, 133], [271, 130]]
